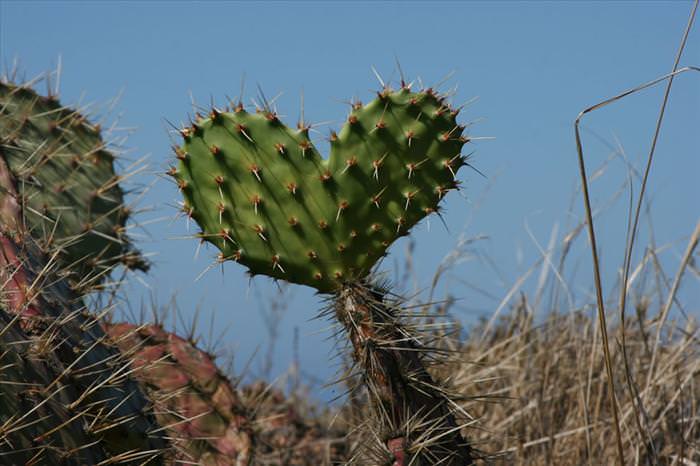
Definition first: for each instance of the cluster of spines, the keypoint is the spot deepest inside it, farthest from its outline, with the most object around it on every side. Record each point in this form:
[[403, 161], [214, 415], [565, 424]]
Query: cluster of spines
[[51, 314], [209, 420], [73, 369], [416, 418], [66, 183], [262, 194]]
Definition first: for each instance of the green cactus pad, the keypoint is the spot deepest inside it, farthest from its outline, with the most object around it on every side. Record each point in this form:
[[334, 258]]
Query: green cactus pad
[[65, 178], [264, 196]]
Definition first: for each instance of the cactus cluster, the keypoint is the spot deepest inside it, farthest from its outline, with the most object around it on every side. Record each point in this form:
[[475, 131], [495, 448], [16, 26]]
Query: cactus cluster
[[74, 388], [66, 184], [263, 195]]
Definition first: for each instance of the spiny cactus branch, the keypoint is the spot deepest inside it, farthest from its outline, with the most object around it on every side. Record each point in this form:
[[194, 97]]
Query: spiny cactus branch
[[417, 414]]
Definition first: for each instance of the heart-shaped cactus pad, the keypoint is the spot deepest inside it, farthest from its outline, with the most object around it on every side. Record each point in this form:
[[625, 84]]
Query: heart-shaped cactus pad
[[264, 196]]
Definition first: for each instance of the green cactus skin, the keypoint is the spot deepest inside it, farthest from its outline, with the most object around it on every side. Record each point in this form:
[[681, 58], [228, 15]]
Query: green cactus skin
[[263, 195], [65, 177]]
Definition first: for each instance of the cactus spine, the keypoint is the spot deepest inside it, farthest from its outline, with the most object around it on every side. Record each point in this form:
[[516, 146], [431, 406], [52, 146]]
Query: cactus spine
[[69, 193], [263, 195], [36, 264], [209, 420]]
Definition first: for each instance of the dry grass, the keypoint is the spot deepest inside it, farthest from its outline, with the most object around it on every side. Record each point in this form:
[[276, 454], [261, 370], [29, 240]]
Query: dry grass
[[548, 383]]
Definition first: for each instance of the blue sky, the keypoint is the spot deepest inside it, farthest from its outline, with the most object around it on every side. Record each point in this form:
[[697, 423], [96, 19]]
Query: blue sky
[[533, 67]]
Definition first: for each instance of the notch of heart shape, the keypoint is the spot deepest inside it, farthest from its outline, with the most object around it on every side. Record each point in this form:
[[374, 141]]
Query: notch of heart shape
[[263, 195]]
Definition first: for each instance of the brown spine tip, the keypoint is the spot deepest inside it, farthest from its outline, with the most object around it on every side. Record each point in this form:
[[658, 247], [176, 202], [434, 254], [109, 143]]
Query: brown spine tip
[[326, 176], [349, 163], [255, 171], [276, 263], [411, 167], [172, 171], [304, 146], [341, 207], [271, 116], [181, 184], [281, 148], [256, 200], [260, 230], [180, 154], [292, 187], [400, 221], [381, 124]]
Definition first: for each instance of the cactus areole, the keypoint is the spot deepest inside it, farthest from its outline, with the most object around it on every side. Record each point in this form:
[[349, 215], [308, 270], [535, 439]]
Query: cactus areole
[[262, 193]]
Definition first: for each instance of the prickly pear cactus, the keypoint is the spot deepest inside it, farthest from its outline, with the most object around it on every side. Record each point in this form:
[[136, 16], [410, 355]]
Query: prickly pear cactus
[[65, 178], [194, 401], [263, 195], [209, 420], [37, 425], [106, 401]]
